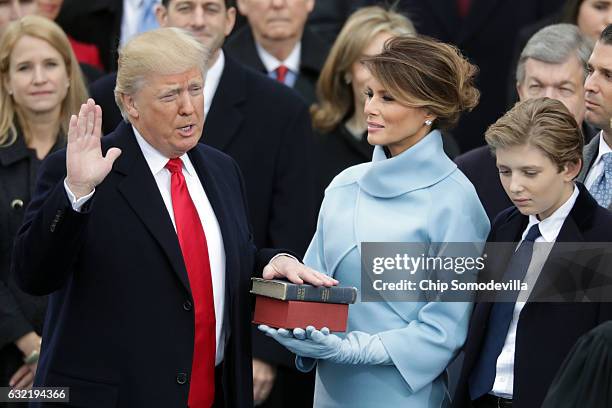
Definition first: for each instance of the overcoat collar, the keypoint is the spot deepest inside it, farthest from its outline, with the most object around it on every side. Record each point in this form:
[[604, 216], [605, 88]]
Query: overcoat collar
[[421, 166]]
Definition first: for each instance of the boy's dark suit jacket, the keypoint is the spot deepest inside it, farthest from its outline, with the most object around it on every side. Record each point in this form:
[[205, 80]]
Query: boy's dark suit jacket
[[546, 331], [119, 329]]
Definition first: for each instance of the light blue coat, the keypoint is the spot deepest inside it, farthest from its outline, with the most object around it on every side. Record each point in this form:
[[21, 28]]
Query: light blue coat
[[417, 196]]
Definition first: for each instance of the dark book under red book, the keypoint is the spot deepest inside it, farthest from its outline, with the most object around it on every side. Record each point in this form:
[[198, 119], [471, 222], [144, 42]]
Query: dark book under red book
[[291, 314]]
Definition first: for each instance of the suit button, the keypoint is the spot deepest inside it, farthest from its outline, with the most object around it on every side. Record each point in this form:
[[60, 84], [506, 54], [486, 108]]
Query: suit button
[[17, 204], [187, 305], [181, 378]]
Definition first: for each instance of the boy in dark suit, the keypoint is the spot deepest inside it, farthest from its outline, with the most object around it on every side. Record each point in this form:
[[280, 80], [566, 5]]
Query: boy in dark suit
[[514, 349]]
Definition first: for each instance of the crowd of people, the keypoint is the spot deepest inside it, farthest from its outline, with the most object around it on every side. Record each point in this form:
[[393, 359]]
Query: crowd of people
[[157, 154]]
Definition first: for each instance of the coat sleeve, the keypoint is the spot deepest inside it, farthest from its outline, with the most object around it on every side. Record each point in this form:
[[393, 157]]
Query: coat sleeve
[[422, 350], [49, 240]]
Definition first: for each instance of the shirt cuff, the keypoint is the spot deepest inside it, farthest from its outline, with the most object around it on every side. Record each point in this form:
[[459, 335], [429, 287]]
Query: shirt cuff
[[77, 204]]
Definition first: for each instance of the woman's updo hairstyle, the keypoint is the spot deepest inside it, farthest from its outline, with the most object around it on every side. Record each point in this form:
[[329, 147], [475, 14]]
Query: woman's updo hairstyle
[[421, 72]]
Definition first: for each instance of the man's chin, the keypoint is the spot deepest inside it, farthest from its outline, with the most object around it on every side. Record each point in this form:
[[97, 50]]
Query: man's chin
[[594, 120], [279, 34]]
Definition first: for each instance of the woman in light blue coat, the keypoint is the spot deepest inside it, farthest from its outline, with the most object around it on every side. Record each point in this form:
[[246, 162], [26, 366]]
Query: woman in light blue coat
[[395, 353]]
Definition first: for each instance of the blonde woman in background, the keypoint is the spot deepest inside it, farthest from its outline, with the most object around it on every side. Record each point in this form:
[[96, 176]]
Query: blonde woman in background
[[41, 86]]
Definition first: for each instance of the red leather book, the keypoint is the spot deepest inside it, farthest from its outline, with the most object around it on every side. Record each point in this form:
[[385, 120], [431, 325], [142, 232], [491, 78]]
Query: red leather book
[[290, 314]]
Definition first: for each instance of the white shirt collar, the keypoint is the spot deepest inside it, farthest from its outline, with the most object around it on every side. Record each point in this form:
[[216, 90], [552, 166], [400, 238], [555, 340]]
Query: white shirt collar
[[213, 76], [550, 227], [271, 62], [156, 160], [603, 149]]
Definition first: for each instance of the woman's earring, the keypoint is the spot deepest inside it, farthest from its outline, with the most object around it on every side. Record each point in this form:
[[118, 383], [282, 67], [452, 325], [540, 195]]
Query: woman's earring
[[428, 122], [347, 78]]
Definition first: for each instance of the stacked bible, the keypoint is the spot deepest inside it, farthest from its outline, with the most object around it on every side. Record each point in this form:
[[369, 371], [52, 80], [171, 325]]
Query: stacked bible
[[280, 303]]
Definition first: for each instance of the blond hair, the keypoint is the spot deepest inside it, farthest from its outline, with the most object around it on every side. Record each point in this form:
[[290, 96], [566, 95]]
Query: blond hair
[[46, 30], [164, 51], [335, 96], [543, 123], [421, 72]]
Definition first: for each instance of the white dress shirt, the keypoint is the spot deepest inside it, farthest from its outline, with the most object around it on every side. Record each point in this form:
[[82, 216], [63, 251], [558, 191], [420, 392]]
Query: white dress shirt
[[272, 63], [213, 76], [598, 164], [549, 230], [216, 250]]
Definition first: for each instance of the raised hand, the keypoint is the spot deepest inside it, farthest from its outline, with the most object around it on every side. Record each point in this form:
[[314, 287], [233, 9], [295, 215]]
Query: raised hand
[[85, 165]]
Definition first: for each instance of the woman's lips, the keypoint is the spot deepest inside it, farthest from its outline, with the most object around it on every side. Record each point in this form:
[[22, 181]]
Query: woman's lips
[[374, 127]]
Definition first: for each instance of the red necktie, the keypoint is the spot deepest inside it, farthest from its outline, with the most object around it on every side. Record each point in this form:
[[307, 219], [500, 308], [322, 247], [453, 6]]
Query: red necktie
[[463, 6], [195, 254], [281, 73]]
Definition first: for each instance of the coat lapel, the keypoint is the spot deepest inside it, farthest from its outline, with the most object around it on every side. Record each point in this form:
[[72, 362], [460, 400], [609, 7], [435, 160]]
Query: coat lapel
[[509, 232], [314, 52], [214, 192], [225, 116], [139, 189], [555, 276], [588, 156], [243, 45]]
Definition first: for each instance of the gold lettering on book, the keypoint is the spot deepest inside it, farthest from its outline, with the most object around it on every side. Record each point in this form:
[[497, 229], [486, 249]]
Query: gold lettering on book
[[325, 293], [301, 293]]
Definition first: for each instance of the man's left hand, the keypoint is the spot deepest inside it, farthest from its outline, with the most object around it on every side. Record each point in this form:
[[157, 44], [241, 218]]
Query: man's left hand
[[296, 272]]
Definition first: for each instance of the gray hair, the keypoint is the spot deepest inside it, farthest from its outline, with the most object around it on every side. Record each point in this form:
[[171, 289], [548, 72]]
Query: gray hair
[[164, 51], [555, 44]]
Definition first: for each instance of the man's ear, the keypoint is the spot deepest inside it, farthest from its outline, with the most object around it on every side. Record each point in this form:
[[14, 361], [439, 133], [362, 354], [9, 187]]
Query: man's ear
[[161, 14], [230, 20], [129, 105]]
